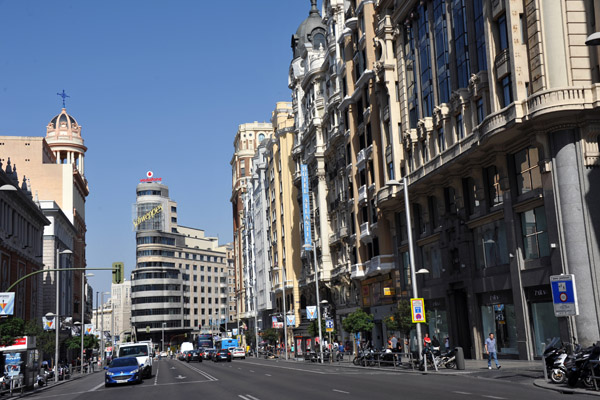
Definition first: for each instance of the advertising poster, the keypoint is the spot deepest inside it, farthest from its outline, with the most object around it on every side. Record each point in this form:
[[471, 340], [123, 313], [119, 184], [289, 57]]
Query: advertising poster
[[311, 312], [7, 303], [12, 364]]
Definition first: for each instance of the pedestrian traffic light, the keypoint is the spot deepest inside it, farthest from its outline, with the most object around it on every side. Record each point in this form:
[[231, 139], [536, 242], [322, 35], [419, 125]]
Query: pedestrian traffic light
[[118, 270]]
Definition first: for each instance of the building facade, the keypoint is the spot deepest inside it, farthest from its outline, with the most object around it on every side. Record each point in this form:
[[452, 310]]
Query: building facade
[[180, 281], [120, 296]]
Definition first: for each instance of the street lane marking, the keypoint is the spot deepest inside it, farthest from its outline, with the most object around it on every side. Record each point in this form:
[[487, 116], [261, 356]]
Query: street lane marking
[[293, 369], [268, 374], [340, 391], [251, 370], [247, 397], [494, 397], [206, 375], [156, 375], [96, 387], [457, 392]]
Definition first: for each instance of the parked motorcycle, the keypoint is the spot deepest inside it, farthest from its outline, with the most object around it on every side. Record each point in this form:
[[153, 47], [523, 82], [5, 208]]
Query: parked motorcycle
[[447, 359], [578, 366], [555, 355]]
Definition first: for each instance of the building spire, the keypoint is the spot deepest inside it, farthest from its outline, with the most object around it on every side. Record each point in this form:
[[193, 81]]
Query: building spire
[[64, 96], [313, 7]]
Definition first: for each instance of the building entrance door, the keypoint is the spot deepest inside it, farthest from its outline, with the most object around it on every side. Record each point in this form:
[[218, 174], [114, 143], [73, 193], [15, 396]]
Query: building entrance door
[[461, 321]]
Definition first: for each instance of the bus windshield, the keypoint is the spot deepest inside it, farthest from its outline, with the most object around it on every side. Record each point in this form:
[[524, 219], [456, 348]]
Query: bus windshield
[[137, 351]]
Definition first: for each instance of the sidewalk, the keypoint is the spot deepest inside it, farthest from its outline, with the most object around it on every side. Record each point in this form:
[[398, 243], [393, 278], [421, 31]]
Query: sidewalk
[[52, 384]]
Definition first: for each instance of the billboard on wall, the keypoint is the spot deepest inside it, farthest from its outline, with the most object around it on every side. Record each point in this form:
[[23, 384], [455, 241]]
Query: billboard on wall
[[149, 216]]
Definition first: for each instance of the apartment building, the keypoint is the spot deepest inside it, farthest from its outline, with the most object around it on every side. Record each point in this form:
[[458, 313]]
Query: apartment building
[[488, 111]]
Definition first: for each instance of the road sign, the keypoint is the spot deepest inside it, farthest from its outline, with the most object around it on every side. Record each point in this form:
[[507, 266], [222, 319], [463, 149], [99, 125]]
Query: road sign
[[417, 307], [564, 295], [7, 303], [329, 325]]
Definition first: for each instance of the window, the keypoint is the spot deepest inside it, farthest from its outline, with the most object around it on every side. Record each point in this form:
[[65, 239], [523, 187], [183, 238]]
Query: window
[[441, 51], [470, 193], [441, 140], [479, 35], [450, 200], [490, 245], [411, 77], [502, 33], [418, 217], [391, 171], [425, 62], [507, 97], [424, 151], [434, 217], [243, 167], [461, 43], [527, 170], [480, 110], [432, 259], [460, 132], [535, 235], [494, 191]]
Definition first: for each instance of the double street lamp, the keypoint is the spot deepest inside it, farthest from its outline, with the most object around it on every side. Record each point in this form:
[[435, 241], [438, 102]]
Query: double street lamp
[[57, 314]]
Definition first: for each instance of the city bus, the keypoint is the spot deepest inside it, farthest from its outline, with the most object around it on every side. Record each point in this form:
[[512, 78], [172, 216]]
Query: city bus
[[204, 341], [226, 343]]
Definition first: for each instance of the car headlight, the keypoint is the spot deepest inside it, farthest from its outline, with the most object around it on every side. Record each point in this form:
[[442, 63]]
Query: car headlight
[[135, 371], [109, 373]]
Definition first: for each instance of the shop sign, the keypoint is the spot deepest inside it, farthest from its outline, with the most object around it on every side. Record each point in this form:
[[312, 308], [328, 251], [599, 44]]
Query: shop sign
[[389, 291], [417, 307], [19, 344], [564, 295]]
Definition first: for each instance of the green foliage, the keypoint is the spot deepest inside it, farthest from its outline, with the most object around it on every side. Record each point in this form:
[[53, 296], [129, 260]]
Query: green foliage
[[44, 339], [250, 338], [11, 328], [89, 342], [313, 329], [270, 335], [401, 320], [358, 321]]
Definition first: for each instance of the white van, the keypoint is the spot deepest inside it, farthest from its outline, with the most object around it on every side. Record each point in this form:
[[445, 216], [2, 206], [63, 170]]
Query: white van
[[142, 351]]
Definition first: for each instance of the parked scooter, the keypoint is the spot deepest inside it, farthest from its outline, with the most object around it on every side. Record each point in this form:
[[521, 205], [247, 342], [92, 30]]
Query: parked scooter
[[555, 355], [579, 368]]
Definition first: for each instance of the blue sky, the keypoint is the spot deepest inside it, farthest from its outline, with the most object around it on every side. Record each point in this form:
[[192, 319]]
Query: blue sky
[[156, 85]]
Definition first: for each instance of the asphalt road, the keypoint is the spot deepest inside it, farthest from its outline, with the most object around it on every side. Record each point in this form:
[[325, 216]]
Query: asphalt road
[[259, 379]]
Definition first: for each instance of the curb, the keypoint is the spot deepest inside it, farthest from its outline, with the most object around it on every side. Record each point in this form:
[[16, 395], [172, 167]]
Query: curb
[[562, 388]]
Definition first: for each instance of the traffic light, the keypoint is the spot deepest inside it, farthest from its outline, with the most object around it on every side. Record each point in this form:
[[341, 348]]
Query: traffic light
[[118, 270]]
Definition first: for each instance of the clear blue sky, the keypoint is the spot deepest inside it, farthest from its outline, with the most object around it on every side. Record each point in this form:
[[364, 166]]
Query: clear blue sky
[[155, 85]]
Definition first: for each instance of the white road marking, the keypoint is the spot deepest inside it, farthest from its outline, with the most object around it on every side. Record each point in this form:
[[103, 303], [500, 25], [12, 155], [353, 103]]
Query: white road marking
[[340, 391], [293, 369], [180, 377], [251, 370], [457, 392], [268, 374], [96, 387], [206, 375], [156, 375], [247, 397], [494, 397]]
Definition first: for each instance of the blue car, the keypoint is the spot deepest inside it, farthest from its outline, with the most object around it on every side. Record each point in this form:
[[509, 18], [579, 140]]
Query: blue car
[[123, 370]]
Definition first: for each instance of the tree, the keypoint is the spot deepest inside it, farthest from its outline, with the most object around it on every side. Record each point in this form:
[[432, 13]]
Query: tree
[[10, 329], [44, 339], [401, 320], [270, 335], [250, 338], [89, 342], [358, 321]]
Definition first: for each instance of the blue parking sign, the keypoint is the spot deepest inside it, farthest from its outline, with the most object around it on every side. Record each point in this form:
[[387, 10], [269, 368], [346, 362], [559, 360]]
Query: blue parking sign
[[564, 295]]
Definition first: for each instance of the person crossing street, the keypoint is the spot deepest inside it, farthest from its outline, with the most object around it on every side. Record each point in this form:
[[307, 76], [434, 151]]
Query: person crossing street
[[490, 349]]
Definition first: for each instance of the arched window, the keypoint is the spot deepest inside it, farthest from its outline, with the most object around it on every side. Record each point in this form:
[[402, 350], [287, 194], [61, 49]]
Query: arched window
[[261, 136], [319, 39]]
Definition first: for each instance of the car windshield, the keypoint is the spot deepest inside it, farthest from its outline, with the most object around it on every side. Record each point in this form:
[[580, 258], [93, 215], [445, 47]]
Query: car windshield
[[140, 350], [123, 362]]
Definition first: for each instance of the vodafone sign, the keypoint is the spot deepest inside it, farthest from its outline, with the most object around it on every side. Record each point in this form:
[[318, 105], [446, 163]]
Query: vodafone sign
[[150, 177]]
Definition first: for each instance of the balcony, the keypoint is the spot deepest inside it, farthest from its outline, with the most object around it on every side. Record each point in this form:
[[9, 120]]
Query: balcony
[[343, 232], [334, 238], [362, 194], [366, 234], [380, 265], [361, 160], [356, 271]]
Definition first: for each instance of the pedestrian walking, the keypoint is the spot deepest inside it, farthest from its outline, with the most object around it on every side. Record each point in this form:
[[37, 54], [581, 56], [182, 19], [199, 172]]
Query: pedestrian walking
[[394, 342], [490, 349], [447, 344]]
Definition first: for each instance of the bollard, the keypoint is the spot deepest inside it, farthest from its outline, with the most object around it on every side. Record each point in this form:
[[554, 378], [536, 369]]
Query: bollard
[[543, 345], [460, 358]]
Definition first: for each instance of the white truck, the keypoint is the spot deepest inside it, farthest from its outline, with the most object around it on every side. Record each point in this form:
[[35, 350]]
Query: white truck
[[142, 351]]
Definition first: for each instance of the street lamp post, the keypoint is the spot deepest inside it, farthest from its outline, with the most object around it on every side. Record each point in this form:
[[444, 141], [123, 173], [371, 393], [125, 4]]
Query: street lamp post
[[57, 316], [102, 352], [163, 336], [83, 276]]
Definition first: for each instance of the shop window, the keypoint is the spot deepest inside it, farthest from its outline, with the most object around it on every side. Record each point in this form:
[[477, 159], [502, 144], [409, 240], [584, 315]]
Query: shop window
[[491, 249], [535, 234], [545, 325], [500, 320]]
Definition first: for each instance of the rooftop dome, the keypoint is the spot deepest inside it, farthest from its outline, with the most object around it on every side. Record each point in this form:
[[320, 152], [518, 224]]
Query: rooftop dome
[[311, 30], [63, 120]]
